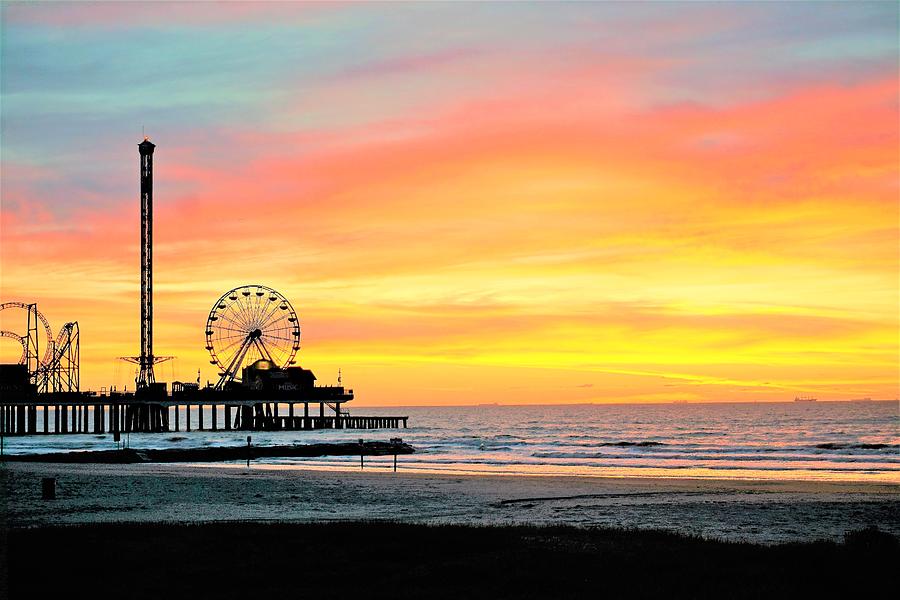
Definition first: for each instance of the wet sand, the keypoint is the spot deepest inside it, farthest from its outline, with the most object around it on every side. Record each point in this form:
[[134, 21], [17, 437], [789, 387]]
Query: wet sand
[[755, 511]]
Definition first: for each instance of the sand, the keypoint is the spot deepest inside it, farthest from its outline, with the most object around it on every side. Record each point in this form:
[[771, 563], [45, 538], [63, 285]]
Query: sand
[[755, 511], [399, 560]]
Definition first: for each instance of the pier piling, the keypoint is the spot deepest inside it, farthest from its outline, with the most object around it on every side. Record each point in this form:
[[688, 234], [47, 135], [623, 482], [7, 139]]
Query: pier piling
[[22, 418]]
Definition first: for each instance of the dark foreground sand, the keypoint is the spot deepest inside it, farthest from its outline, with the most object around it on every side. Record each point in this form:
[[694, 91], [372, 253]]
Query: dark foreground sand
[[389, 560], [755, 511]]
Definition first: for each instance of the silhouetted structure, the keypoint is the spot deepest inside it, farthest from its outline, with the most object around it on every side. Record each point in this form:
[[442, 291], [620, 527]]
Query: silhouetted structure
[[145, 379], [259, 343], [145, 375], [248, 324], [61, 373], [58, 369]]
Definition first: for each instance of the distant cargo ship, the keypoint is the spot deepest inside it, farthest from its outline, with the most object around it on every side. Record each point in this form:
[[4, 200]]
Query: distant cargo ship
[[804, 399]]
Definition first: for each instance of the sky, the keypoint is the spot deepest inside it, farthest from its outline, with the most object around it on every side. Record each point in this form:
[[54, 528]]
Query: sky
[[469, 202]]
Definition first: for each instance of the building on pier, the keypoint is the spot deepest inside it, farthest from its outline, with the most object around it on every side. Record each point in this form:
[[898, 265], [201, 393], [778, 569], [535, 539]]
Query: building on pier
[[267, 398]]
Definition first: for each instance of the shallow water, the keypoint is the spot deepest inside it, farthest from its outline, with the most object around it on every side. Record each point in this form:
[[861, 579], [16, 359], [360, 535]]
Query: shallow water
[[846, 441]]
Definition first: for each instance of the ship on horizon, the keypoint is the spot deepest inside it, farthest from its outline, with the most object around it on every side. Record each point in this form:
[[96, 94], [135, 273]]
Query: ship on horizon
[[805, 399]]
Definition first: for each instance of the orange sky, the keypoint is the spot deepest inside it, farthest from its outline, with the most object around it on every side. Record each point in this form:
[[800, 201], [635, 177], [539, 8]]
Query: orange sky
[[476, 216]]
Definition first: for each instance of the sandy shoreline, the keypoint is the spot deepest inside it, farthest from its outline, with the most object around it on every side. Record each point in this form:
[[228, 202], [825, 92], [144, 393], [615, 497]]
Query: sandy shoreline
[[760, 511]]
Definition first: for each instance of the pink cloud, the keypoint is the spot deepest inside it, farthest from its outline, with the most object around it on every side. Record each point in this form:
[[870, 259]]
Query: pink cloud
[[115, 15]]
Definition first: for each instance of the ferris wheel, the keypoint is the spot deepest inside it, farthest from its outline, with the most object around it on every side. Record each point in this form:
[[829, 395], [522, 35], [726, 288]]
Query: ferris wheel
[[250, 323]]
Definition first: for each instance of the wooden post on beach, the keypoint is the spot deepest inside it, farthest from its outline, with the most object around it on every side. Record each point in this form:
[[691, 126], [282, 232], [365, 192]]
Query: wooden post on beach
[[199, 417]]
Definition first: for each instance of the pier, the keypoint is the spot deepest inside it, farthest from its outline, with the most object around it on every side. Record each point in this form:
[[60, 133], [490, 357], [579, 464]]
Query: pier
[[252, 335], [81, 413]]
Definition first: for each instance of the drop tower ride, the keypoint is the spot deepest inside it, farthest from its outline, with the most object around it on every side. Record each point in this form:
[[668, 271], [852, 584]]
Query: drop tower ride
[[146, 359], [145, 378]]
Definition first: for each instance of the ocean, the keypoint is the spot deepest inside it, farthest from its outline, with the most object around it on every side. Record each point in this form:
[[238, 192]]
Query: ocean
[[836, 441]]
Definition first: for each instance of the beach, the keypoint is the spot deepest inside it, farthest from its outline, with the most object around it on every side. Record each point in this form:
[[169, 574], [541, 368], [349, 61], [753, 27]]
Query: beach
[[202, 530], [388, 560], [680, 502], [766, 512]]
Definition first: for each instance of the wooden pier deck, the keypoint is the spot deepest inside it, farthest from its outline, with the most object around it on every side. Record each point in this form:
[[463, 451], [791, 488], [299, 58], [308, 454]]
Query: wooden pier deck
[[102, 414]]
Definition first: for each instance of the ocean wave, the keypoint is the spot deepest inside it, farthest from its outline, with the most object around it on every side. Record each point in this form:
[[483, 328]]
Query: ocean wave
[[641, 444], [637, 444], [714, 458], [839, 446]]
